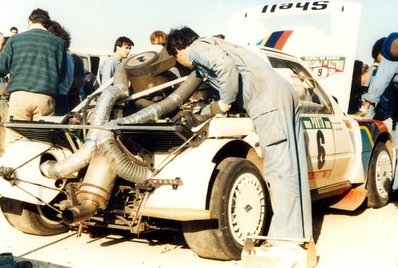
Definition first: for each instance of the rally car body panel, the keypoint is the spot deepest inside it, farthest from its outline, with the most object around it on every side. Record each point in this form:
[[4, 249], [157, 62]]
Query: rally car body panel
[[28, 183], [338, 150]]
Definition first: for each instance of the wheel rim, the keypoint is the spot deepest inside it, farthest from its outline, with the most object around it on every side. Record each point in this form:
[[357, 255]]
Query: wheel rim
[[246, 207], [383, 174]]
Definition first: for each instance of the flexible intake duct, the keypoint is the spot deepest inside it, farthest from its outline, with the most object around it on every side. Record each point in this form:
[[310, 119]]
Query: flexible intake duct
[[124, 167], [169, 104], [105, 139], [64, 168]]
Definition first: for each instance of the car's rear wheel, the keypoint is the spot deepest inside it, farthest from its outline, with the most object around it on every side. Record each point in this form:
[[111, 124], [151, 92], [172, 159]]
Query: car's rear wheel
[[239, 201], [380, 176], [32, 219]]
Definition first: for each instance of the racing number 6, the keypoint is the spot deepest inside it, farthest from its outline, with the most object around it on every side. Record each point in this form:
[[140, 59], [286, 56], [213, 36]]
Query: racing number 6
[[320, 140]]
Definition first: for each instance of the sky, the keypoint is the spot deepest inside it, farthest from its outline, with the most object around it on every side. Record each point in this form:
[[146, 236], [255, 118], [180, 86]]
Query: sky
[[94, 25]]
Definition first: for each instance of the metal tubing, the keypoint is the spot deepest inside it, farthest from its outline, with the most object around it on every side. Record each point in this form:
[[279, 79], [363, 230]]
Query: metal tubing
[[80, 213]]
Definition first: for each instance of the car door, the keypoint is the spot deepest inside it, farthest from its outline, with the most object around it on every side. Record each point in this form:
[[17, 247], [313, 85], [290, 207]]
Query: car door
[[329, 147]]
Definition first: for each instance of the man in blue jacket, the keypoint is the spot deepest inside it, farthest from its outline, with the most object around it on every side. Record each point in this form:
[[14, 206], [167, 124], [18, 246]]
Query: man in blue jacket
[[243, 77], [383, 89], [386, 76]]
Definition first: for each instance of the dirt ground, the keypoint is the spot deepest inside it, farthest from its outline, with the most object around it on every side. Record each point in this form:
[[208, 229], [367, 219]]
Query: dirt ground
[[365, 238]]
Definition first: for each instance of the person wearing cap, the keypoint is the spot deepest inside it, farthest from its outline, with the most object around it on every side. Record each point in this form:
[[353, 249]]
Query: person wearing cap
[[121, 51]]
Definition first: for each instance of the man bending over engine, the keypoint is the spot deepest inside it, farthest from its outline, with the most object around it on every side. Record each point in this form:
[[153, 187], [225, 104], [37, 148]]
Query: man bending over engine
[[246, 79]]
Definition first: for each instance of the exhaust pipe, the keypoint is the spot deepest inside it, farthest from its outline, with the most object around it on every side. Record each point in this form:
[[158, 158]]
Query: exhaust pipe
[[80, 213], [94, 192]]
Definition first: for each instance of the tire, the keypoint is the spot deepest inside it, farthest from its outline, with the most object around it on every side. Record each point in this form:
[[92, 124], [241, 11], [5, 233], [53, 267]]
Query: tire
[[239, 202], [32, 219], [380, 176]]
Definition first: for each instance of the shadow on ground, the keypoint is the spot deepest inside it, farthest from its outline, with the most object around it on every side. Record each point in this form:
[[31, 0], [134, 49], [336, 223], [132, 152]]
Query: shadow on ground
[[153, 238], [175, 236], [41, 264], [321, 208], [8, 260]]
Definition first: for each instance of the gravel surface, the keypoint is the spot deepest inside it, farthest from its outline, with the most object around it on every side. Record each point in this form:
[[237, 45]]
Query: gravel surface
[[365, 238]]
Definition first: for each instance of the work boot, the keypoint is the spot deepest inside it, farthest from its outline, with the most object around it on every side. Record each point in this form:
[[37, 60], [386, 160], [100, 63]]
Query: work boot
[[284, 255]]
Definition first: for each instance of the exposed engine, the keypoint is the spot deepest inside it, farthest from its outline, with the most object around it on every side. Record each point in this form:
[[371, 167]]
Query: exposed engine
[[113, 154]]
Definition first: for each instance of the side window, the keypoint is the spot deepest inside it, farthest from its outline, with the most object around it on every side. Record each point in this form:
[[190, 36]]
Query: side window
[[85, 62], [94, 64], [312, 98]]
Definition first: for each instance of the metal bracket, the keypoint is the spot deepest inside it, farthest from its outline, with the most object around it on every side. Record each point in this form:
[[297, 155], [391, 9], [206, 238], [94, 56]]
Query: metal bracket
[[8, 174], [152, 184]]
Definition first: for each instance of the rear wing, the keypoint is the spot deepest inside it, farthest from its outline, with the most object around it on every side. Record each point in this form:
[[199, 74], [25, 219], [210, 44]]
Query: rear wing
[[322, 33]]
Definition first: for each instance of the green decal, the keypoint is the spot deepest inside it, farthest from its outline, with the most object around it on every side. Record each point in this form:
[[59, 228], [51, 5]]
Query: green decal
[[316, 122]]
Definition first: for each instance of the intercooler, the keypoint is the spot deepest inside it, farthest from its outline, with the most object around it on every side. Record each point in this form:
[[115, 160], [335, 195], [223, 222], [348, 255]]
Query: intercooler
[[153, 137]]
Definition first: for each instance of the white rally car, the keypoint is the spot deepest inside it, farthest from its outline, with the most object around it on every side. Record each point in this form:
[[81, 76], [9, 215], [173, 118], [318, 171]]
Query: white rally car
[[206, 175]]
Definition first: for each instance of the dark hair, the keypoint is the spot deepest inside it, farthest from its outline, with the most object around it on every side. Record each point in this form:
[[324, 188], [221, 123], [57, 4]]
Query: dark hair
[[56, 28], [40, 16], [13, 28], [121, 41], [180, 39], [376, 49], [219, 36]]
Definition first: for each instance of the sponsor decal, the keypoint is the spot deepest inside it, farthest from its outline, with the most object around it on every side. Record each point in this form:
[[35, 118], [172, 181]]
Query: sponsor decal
[[303, 6], [367, 138], [276, 40], [325, 66], [319, 174], [316, 122]]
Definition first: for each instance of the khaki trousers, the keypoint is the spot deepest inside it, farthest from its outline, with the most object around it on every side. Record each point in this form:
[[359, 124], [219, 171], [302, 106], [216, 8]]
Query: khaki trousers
[[24, 105], [3, 118]]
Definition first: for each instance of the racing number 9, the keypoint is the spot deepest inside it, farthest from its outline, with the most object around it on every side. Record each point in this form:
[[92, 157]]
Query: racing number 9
[[320, 140]]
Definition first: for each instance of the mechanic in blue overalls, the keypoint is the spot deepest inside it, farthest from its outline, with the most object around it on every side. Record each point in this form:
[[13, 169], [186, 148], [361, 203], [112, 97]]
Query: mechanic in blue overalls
[[240, 75], [385, 78]]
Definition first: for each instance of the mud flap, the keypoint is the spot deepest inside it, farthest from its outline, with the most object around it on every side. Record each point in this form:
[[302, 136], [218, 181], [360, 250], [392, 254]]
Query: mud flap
[[351, 200]]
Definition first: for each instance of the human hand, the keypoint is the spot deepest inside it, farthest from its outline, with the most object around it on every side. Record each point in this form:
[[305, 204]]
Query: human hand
[[364, 110], [216, 107], [189, 119]]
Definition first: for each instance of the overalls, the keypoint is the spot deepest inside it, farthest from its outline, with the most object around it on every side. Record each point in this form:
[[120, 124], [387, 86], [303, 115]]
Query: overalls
[[272, 104]]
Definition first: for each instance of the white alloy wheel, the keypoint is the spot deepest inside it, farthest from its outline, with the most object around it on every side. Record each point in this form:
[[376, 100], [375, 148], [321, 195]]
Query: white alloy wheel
[[246, 207]]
